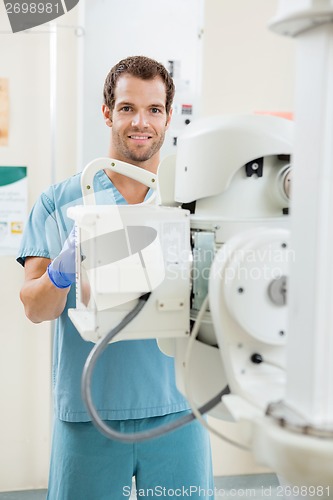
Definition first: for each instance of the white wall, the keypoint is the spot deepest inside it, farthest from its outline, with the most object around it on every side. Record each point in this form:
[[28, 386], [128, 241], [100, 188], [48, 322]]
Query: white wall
[[25, 354], [246, 68], [164, 30]]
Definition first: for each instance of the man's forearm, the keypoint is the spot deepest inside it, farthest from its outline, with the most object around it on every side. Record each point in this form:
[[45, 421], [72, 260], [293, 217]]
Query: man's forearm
[[42, 300]]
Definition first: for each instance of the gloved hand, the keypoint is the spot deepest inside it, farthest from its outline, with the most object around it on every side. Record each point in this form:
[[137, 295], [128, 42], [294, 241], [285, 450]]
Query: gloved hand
[[61, 270]]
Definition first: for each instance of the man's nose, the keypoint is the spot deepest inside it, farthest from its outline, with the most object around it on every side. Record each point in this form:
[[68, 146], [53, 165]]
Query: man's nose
[[140, 119]]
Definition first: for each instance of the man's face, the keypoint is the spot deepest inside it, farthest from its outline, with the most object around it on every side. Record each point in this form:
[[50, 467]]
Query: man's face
[[138, 121]]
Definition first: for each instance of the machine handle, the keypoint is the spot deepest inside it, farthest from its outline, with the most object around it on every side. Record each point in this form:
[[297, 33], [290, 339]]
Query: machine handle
[[89, 172]]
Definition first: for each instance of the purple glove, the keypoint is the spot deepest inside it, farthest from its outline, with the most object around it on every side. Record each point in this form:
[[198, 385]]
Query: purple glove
[[61, 270]]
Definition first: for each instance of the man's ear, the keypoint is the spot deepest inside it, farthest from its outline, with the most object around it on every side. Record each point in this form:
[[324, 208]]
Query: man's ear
[[167, 124], [107, 115]]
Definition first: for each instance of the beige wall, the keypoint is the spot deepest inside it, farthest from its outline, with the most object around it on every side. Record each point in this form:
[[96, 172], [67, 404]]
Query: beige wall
[[246, 67], [25, 354]]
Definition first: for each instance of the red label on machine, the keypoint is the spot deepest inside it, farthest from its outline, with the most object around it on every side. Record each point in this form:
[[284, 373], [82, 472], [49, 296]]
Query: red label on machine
[[187, 109]]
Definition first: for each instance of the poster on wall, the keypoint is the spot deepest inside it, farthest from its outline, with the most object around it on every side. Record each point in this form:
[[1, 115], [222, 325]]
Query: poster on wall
[[4, 111], [13, 208]]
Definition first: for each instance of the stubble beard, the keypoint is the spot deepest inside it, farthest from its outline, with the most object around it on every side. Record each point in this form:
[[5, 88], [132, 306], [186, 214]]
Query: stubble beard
[[136, 155]]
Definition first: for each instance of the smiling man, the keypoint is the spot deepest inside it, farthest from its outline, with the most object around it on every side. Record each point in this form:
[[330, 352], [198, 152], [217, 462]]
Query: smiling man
[[139, 119], [134, 385], [137, 107]]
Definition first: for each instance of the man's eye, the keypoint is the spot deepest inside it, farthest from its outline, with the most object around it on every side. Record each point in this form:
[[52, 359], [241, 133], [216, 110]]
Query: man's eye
[[155, 110], [126, 108]]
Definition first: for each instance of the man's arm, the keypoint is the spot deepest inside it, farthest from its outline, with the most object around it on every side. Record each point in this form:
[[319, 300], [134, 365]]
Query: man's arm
[[42, 300]]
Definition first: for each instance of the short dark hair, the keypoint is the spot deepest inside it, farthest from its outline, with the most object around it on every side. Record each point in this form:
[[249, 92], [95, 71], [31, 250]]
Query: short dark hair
[[140, 67]]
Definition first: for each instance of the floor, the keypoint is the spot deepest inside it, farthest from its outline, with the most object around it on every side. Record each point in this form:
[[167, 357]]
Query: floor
[[256, 487]]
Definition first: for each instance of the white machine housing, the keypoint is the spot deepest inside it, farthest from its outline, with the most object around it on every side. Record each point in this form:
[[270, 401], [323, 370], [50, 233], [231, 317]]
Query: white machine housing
[[249, 163], [233, 172], [124, 252]]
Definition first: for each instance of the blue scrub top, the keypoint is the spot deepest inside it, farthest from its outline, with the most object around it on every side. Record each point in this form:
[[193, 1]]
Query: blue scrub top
[[132, 379]]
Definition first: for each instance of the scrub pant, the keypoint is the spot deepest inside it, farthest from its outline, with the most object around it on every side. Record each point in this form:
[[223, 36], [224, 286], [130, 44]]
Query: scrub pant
[[85, 465]]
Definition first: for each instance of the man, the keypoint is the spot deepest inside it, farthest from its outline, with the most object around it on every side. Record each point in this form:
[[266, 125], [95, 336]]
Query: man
[[134, 388]]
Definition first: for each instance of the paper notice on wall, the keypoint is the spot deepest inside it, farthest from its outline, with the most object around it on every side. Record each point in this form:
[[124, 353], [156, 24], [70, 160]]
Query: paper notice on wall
[[4, 111], [13, 208]]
